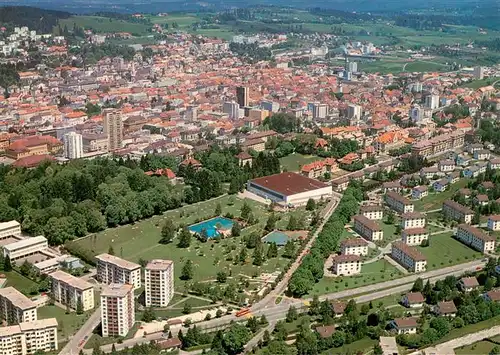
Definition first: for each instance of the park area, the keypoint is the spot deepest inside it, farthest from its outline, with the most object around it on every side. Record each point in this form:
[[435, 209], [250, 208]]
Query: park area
[[435, 200], [140, 241], [295, 161]]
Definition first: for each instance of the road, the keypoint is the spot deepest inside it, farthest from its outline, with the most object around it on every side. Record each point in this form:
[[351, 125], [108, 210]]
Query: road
[[255, 340], [73, 347]]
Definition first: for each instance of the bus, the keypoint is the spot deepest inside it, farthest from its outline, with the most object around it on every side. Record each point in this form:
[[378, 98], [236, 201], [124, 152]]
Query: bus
[[242, 312]]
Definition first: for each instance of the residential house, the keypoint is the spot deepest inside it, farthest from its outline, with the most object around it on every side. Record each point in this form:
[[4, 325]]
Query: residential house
[[325, 331], [408, 256], [373, 212], [368, 228], [340, 184], [475, 238], [466, 193], [492, 296], [494, 222], [413, 300], [414, 236], [412, 220], [471, 172], [394, 186], [445, 309], [419, 192], [430, 172], [481, 200], [474, 147], [457, 212], [482, 154], [446, 165], [462, 160], [338, 308], [398, 202], [244, 158], [346, 264], [318, 169], [453, 177], [407, 325], [354, 246], [441, 185], [494, 164], [467, 284]]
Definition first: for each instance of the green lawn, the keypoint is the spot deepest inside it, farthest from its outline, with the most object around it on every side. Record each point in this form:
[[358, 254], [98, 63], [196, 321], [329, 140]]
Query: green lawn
[[363, 346], [182, 20], [479, 348], [105, 25], [68, 323], [471, 328], [140, 241], [294, 162], [378, 271], [445, 251], [435, 200], [97, 339], [20, 282], [423, 66]]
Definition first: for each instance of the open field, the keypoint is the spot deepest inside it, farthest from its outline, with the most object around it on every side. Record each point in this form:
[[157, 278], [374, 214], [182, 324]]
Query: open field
[[479, 348], [294, 162], [68, 324], [140, 241], [435, 200], [363, 346], [20, 282], [371, 273], [424, 66], [444, 251], [182, 20], [105, 25]]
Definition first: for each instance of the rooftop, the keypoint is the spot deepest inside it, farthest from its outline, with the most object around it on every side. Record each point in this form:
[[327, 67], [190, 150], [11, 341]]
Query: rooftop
[[414, 253], [70, 280], [25, 243], [116, 290], [159, 264], [288, 183], [124, 264], [17, 298]]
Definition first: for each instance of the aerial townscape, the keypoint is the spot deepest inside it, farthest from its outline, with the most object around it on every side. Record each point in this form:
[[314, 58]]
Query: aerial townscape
[[270, 180]]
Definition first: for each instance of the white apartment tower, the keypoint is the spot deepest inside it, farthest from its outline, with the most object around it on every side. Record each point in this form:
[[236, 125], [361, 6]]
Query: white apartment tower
[[29, 338], [113, 128], [73, 145], [69, 290], [159, 282], [112, 269], [117, 309], [16, 308], [354, 111]]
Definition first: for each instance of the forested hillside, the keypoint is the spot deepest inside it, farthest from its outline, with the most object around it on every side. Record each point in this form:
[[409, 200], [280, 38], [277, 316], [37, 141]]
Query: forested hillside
[[42, 21]]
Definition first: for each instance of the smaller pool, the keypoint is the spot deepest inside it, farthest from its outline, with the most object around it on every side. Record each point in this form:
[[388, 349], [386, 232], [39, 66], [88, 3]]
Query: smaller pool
[[210, 226], [277, 237]]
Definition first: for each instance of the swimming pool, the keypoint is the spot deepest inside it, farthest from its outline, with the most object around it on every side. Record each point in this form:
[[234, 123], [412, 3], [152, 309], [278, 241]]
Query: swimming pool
[[210, 226]]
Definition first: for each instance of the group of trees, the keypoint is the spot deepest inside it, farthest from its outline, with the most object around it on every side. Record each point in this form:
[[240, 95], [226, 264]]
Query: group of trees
[[40, 20], [282, 123], [311, 269], [250, 51]]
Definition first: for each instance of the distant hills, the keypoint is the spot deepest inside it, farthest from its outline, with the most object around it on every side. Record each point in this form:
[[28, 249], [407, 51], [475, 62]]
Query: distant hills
[[149, 6], [40, 20]]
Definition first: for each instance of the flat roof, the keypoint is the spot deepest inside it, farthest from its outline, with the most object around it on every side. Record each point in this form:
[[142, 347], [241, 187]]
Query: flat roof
[[9, 224], [124, 264], [116, 290], [25, 243], [159, 264], [38, 324], [70, 280], [288, 183], [17, 298], [389, 345]]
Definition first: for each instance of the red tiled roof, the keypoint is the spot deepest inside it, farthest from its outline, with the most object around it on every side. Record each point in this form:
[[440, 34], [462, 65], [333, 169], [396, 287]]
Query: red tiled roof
[[32, 161]]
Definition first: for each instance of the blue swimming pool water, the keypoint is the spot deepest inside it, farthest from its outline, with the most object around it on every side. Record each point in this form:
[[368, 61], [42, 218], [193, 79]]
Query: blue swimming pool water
[[210, 226]]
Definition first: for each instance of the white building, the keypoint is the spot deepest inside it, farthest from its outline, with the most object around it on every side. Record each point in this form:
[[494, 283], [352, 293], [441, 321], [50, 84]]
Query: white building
[[10, 229], [475, 238], [25, 247], [414, 236], [478, 73], [290, 189], [352, 67], [409, 257], [374, 212], [494, 222], [416, 113], [398, 202], [346, 264], [73, 145], [232, 109], [367, 228], [29, 338], [117, 309], [319, 110], [353, 111], [16, 307], [354, 246], [432, 101], [112, 269], [70, 290], [457, 212], [412, 220], [159, 282]]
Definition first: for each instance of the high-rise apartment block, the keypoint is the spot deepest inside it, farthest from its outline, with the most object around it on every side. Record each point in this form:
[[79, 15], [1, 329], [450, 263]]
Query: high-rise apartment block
[[73, 145], [16, 308], [159, 282], [112, 269], [243, 96], [70, 290], [117, 309], [29, 338], [113, 128]]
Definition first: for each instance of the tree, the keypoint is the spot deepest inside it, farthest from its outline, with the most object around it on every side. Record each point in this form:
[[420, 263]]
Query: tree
[[79, 306], [311, 205], [242, 257], [272, 250], [495, 350], [236, 229], [218, 209], [289, 251], [235, 339], [187, 271], [111, 251], [26, 268], [377, 349], [221, 277], [314, 306], [187, 308], [113, 349], [184, 238], [418, 285], [291, 314], [271, 223], [245, 210], [257, 256], [301, 282], [7, 266], [307, 342], [252, 324], [280, 332], [167, 232], [292, 223], [149, 315], [390, 217], [441, 325], [490, 283], [266, 337], [218, 313]]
